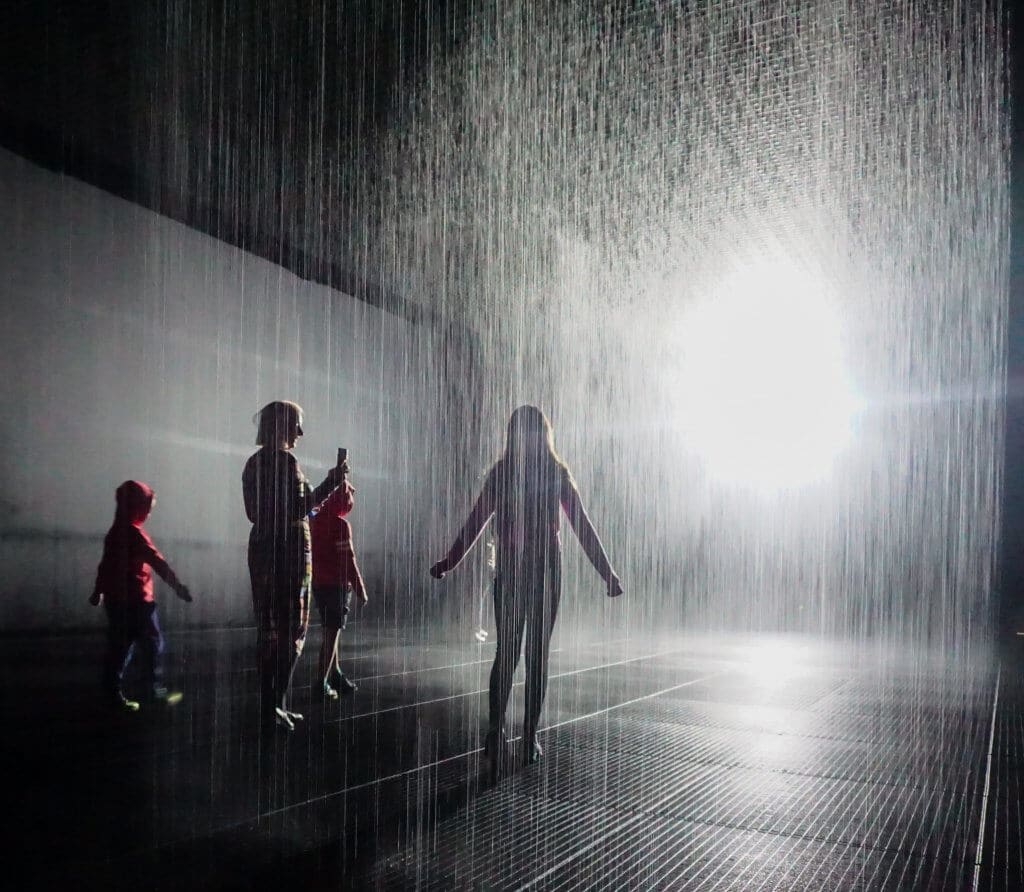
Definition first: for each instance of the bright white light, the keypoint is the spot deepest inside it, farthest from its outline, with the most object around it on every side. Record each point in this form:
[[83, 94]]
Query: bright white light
[[764, 396], [773, 664]]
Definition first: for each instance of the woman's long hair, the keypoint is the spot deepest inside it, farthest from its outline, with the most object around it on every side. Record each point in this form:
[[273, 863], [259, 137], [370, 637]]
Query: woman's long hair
[[530, 438], [528, 467], [274, 420]]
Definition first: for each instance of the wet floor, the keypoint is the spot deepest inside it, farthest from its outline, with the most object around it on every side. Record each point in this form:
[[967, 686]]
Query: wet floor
[[689, 762]]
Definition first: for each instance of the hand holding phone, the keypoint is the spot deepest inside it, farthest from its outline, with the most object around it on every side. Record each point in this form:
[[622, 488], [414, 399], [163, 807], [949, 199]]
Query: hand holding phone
[[342, 464]]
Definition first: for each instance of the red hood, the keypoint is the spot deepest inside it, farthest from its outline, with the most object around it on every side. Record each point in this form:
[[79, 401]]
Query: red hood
[[338, 503], [134, 502]]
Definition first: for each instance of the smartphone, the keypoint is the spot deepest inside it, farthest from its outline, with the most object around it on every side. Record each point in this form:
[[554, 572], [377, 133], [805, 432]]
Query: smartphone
[[342, 455]]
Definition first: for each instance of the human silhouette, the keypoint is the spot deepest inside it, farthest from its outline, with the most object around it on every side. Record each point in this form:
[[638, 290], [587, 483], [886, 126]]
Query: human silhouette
[[278, 501], [336, 578], [124, 585], [523, 492]]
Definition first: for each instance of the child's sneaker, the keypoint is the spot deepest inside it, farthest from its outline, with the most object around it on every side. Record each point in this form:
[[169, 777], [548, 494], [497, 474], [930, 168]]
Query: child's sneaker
[[166, 697], [123, 704], [286, 719]]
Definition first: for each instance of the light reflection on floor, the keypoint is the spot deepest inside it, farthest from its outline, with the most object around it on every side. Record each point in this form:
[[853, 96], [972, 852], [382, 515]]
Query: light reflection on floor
[[687, 761]]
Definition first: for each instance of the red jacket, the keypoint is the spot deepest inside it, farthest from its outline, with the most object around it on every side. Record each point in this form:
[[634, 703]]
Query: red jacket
[[124, 575], [334, 558]]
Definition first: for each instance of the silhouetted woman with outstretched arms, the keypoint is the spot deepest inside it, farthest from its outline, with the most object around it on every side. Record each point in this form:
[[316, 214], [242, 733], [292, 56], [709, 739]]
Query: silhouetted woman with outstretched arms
[[524, 491], [278, 502]]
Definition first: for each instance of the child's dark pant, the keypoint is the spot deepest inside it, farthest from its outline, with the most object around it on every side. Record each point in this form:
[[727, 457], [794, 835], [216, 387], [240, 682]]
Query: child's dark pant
[[132, 626]]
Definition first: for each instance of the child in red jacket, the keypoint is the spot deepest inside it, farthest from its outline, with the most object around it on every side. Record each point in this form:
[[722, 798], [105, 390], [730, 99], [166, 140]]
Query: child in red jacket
[[335, 577], [124, 584]]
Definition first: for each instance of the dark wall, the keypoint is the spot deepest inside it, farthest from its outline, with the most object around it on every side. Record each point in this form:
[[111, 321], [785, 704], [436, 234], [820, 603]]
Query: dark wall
[[1012, 545]]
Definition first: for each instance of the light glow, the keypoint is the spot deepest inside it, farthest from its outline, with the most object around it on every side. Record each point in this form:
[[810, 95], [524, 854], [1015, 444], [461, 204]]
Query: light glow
[[764, 396], [773, 664]]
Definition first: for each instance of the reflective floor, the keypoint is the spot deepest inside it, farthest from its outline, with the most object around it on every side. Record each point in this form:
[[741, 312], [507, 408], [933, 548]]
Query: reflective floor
[[688, 762]]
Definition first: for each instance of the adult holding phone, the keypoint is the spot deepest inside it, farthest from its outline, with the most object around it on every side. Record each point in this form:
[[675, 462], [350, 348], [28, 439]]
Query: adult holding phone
[[523, 492], [278, 501]]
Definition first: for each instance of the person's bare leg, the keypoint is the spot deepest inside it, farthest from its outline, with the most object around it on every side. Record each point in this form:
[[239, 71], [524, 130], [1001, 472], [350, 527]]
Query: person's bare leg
[[345, 684], [543, 611], [329, 659]]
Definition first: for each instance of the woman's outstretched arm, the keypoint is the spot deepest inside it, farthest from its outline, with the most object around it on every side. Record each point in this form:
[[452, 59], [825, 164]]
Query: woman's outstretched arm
[[585, 532], [471, 529]]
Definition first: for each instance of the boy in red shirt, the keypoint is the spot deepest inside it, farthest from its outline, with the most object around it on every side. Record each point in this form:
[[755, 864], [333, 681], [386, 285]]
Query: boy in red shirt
[[124, 584], [335, 576]]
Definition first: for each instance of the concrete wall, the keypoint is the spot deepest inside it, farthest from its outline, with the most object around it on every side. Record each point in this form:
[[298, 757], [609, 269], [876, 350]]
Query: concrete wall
[[134, 347]]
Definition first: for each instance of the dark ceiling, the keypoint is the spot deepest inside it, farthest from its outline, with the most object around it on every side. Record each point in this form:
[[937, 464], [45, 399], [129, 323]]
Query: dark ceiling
[[211, 113]]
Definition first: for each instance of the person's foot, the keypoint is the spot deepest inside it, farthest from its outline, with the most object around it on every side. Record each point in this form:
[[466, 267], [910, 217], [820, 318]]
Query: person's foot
[[329, 692], [532, 751], [495, 745], [481, 635], [284, 719], [494, 742], [120, 702], [167, 698], [345, 685]]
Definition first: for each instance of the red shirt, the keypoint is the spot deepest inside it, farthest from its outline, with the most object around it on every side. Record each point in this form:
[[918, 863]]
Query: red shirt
[[334, 559]]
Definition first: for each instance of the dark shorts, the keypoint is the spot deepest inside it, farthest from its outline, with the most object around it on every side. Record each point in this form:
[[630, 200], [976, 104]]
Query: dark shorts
[[333, 604]]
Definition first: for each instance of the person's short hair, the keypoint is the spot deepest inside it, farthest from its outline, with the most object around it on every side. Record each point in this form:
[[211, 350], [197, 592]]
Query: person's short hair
[[274, 419]]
